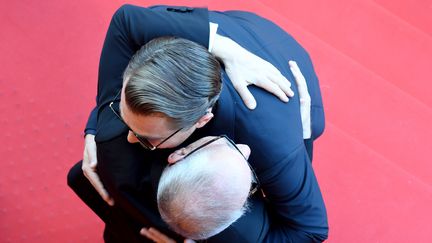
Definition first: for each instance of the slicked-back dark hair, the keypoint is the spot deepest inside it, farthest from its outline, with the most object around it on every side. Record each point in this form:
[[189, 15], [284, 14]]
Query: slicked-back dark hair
[[173, 77]]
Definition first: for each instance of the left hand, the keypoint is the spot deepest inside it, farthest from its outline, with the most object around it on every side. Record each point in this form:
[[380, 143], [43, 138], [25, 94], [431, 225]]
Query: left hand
[[244, 68], [305, 99], [158, 237]]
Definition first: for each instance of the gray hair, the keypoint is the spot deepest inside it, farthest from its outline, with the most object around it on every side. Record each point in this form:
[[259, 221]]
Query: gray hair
[[197, 199], [173, 77]]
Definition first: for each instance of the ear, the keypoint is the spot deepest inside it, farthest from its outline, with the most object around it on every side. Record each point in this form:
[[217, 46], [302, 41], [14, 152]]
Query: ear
[[177, 155], [245, 150], [204, 119]]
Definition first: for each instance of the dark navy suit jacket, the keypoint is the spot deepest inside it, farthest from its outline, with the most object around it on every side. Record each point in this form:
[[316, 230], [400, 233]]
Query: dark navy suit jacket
[[295, 211]]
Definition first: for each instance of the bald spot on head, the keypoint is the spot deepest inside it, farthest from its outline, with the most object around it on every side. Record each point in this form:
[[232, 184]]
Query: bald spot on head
[[206, 192]]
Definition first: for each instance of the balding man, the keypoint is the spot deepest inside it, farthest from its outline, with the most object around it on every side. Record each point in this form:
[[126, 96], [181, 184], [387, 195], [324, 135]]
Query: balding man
[[206, 187], [280, 156], [207, 191]]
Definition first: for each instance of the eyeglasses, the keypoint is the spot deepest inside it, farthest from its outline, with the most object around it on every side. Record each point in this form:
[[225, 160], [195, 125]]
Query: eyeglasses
[[255, 183], [143, 141]]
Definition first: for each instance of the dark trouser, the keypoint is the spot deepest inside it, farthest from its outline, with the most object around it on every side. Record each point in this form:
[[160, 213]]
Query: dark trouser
[[118, 226]]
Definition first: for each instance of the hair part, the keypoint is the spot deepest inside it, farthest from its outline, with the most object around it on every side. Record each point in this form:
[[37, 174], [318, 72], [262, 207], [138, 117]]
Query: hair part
[[174, 77]]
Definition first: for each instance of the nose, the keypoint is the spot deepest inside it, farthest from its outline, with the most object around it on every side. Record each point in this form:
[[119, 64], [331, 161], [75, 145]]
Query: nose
[[132, 138]]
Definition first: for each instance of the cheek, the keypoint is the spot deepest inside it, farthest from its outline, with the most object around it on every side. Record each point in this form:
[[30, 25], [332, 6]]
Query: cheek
[[172, 143], [176, 140]]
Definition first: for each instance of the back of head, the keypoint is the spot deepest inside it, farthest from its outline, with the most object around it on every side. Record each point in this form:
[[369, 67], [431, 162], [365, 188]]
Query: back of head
[[174, 77], [202, 195]]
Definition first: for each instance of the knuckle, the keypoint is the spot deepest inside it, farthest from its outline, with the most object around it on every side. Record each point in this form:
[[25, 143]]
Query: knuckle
[[103, 194], [274, 86], [86, 174], [84, 168]]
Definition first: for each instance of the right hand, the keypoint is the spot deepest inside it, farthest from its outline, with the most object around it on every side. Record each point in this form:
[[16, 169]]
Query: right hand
[[89, 168]]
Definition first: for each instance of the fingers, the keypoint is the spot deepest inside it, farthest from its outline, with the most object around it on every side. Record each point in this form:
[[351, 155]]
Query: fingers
[[273, 82], [94, 179], [89, 168], [272, 88], [283, 83], [161, 236], [246, 95], [176, 156], [156, 236], [300, 80], [181, 153], [305, 100], [145, 232]]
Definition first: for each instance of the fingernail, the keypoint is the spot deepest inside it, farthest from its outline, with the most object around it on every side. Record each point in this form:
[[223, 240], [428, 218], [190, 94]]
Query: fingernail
[[111, 202]]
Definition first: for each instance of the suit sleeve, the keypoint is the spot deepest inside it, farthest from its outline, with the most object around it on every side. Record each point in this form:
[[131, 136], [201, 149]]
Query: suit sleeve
[[91, 122], [131, 27], [274, 133], [288, 178], [293, 192]]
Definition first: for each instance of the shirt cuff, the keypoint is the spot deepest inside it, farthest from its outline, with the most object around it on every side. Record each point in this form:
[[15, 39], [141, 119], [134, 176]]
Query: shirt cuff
[[213, 31], [89, 131]]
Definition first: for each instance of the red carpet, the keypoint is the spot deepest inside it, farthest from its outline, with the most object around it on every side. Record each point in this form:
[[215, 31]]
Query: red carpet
[[374, 60]]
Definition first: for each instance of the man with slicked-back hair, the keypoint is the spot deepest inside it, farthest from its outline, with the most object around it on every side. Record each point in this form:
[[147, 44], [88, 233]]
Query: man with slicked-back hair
[[293, 211]]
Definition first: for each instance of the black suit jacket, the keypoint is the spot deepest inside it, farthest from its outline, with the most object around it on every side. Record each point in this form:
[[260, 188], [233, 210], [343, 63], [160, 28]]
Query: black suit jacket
[[273, 130]]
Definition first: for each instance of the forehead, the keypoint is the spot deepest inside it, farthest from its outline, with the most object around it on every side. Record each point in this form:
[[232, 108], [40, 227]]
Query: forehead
[[149, 126]]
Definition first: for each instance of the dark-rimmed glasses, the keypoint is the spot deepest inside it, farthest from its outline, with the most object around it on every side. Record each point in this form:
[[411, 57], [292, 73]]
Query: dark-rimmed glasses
[[255, 183], [143, 141]]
